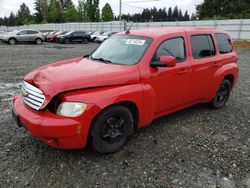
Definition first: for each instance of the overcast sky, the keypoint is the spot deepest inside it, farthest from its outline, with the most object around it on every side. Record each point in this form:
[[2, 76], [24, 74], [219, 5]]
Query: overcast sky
[[6, 6]]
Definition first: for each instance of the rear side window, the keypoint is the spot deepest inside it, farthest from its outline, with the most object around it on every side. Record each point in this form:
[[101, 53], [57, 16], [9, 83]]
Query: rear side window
[[202, 46], [172, 47], [224, 42], [32, 32]]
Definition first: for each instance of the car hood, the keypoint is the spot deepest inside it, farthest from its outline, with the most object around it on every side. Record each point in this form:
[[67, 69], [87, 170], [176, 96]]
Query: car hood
[[102, 37], [80, 73]]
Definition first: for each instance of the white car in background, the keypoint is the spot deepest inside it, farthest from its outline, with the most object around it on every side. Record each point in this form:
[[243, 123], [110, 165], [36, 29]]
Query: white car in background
[[104, 36], [95, 34], [2, 34]]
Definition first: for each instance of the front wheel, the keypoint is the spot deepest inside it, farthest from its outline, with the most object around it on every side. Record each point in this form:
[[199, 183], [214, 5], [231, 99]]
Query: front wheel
[[111, 129], [12, 41], [222, 95], [66, 41]]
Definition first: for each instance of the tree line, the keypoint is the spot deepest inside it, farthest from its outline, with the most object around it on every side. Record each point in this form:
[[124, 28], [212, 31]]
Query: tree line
[[224, 9], [161, 14], [59, 11]]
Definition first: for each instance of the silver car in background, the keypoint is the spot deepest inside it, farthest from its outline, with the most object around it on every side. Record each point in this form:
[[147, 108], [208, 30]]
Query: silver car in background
[[24, 35]]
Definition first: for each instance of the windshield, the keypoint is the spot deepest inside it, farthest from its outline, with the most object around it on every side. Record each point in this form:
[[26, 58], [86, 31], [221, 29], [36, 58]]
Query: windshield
[[59, 32], [106, 33], [68, 33], [97, 33], [122, 49]]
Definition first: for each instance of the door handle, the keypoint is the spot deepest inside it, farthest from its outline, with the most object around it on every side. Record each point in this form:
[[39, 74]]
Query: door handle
[[216, 64], [184, 71]]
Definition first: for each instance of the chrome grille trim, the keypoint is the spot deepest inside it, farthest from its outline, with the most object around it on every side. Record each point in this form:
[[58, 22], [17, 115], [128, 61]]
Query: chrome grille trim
[[32, 96]]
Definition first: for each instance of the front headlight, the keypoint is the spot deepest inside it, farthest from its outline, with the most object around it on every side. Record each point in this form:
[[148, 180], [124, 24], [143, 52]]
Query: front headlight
[[71, 109]]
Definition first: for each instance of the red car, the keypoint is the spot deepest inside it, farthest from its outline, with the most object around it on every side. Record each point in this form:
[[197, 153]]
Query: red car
[[53, 37], [131, 79]]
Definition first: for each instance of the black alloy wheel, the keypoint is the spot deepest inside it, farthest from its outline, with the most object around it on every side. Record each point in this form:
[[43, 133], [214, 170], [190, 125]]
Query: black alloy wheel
[[222, 95], [111, 128]]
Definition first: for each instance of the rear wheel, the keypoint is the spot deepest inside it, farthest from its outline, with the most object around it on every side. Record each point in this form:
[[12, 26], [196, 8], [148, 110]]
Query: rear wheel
[[85, 41], [111, 129], [38, 41], [12, 41], [222, 95]]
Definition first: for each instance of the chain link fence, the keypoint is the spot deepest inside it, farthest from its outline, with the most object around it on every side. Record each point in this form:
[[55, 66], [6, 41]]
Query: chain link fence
[[239, 29]]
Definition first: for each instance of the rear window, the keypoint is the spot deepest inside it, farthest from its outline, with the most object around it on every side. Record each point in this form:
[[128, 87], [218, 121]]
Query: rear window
[[224, 42], [202, 46]]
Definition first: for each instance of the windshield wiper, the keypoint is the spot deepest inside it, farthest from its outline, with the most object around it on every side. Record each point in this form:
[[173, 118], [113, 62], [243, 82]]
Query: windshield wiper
[[102, 59]]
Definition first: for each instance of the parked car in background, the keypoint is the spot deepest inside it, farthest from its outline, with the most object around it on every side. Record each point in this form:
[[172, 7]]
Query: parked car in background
[[53, 37], [24, 35], [74, 36], [127, 82], [46, 34], [104, 36], [95, 34], [2, 34], [90, 32]]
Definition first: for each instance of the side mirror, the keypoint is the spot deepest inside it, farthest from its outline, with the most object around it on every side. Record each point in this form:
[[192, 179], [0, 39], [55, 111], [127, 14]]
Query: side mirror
[[165, 61], [170, 61], [18, 34]]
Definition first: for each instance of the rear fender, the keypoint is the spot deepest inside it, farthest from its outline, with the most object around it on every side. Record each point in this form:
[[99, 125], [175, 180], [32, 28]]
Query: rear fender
[[221, 73]]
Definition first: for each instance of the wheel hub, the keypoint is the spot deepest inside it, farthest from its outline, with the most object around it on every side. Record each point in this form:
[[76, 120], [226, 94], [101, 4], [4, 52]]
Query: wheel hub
[[113, 129]]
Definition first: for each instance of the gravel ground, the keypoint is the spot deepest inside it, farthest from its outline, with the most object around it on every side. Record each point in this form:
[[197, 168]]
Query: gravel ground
[[196, 147]]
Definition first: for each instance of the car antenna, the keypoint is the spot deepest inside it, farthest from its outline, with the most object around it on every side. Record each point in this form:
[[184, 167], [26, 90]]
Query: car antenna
[[128, 31]]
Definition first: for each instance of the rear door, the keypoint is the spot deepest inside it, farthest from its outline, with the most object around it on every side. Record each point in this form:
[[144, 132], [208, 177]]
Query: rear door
[[76, 36], [205, 63], [32, 35]]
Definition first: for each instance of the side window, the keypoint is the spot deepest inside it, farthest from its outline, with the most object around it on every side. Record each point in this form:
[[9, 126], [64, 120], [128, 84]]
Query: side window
[[23, 32], [75, 34], [31, 32], [172, 47], [224, 42], [202, 46]]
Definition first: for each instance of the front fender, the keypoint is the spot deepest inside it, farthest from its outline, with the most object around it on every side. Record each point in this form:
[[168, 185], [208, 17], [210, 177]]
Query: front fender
[[107, 96]]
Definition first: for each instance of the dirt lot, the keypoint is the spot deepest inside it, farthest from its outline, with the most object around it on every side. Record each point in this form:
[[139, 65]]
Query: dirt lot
[[196, 147]]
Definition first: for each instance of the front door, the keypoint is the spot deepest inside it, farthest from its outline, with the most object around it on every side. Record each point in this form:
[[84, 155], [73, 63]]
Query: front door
[[22, 36], [171, 85]]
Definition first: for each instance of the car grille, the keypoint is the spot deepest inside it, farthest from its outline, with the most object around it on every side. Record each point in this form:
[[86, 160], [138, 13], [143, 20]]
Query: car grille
[[32, 96]]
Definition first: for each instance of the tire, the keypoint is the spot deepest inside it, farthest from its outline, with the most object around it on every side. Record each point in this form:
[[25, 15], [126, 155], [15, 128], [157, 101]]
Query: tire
[[111, 128], [38, 41], [222, 95], [12, 41], [85, 41], [66, 41]]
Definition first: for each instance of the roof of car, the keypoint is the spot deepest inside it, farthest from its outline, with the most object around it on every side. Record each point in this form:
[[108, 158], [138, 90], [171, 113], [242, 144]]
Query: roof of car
[[158, 32]]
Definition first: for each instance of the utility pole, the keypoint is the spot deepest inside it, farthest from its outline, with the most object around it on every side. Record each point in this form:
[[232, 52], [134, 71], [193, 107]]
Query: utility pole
[[120, 11]]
